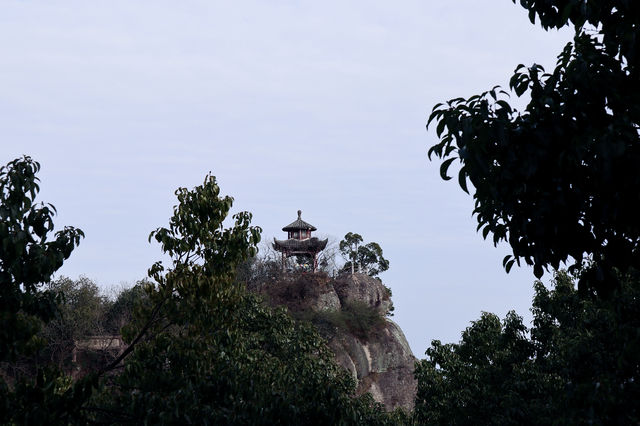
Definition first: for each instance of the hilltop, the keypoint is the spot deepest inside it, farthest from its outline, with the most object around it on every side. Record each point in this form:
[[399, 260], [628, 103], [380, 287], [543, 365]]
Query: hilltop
[[351, 312]]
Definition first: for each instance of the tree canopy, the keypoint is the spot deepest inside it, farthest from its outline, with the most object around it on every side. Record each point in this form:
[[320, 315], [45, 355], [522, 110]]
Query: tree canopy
[[29, 256], [559, 183], [577, 364], [364, 258], [208, 351], [201, 348], [558, 180]]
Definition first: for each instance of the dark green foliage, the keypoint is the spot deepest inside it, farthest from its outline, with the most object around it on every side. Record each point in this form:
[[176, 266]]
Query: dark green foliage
[[349, 249], [559, 180], [485, 379], [80, 312], [120, 312], [252, 366], [616, 20], [594, 345], [580, 363], [28, 257], [366, 258], [202, 350], [207, 351]]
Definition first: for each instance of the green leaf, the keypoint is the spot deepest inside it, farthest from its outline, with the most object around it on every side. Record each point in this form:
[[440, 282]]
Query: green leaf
[[434, 114], [444, 167], [462, 179], [538, 271], [440, 127], [485, 232]]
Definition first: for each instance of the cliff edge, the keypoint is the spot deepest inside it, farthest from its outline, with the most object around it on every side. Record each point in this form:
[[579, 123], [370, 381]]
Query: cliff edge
[[351, 313]]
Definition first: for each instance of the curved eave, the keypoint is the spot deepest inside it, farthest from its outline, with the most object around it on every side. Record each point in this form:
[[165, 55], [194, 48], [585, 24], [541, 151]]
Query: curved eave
[[293, 246]]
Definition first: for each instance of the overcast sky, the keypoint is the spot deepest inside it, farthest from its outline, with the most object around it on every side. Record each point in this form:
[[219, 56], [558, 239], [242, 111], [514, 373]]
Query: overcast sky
[[318, 106]]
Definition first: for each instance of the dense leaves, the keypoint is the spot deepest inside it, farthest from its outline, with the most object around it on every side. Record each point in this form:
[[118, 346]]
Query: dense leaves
[[28, 257], [206, 351], [558, 180], [485, 379], [363, 258], [201, 349], [81, 311], [579, 363], [616, 20]]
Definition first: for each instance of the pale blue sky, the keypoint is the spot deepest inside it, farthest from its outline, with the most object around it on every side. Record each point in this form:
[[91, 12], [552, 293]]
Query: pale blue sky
[[319, 106]]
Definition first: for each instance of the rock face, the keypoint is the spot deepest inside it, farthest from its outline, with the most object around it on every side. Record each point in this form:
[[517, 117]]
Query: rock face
[[365, 289], [350, 313]]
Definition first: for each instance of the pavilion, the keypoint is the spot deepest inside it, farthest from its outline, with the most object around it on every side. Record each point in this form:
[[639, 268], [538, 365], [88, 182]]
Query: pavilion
[[300, 244]]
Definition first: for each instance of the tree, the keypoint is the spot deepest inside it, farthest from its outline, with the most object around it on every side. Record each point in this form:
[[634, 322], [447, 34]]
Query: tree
[[80, 312], [559, 180], [349, 249], [578, 364], [484, 379], [371, 260], [201, 349], [120, 312], [207, 351], [28, 259], [366, 258]]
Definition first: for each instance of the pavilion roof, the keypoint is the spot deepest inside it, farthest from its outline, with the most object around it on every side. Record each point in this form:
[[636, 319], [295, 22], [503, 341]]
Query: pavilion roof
[[299, 224], [301, 246]]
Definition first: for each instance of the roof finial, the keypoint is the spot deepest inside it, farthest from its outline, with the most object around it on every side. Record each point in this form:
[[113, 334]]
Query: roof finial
[[299, 214]]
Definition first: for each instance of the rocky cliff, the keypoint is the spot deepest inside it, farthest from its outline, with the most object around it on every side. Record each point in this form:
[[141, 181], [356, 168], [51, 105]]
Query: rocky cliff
[[351, 313]]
